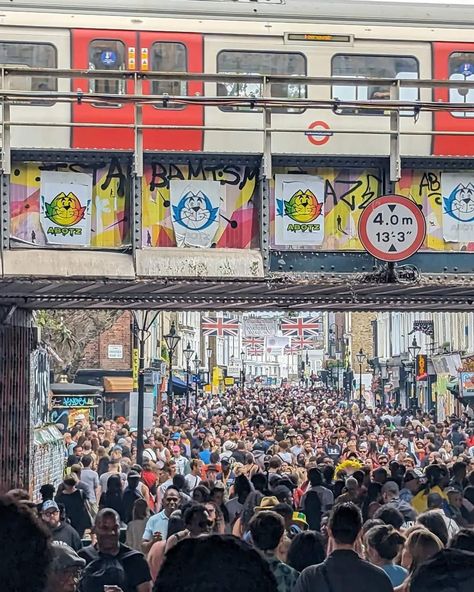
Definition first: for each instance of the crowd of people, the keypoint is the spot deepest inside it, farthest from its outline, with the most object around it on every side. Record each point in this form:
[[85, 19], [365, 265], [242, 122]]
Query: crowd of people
[[275, 489]]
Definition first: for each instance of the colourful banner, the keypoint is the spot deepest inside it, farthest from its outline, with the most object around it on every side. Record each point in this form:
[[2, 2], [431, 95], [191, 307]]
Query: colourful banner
[[299, 205], [65, 208], [458, 206], [237, 216], [195, 206], [109, 208]]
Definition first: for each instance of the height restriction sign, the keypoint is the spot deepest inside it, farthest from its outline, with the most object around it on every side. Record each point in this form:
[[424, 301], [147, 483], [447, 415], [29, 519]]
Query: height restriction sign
[[392, 228]]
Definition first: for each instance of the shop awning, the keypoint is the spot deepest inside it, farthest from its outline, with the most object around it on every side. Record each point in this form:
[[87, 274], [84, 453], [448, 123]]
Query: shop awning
[[179, 386], [118, 384]]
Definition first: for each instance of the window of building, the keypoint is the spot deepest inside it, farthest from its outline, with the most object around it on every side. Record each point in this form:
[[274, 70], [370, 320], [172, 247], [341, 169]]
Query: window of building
[[29, 55], [461, 67], [260, 62], [107, 54], [372, 66], [169, 57]]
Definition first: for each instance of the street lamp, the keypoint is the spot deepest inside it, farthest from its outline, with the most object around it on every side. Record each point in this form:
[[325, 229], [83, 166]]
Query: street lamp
[[414, 349], [242, 358], [360, 359], [197, 365], [171, 340], [142, 323], [209, 356], [188, 354]]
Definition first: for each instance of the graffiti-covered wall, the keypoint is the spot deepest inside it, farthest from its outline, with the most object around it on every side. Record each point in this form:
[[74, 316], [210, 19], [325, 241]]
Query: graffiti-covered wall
[[319, 208], [199, 204], [87, 205]]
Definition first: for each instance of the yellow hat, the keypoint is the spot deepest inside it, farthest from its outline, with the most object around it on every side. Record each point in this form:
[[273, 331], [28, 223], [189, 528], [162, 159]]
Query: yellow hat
[[267, 503]]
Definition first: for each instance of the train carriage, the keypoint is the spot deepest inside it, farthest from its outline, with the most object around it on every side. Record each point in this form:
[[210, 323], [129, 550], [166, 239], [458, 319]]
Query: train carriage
[[290, 38]]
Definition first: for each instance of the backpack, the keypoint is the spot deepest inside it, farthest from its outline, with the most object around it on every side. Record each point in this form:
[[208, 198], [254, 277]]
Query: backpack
[[312, 509], [105, 570]]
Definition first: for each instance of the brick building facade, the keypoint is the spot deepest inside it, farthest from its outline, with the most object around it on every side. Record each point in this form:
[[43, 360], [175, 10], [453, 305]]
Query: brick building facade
[[362, 335], [112, 349]]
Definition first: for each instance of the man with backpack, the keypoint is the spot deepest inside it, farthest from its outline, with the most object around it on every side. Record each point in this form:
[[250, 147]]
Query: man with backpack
[[110, 563], [317, 500]]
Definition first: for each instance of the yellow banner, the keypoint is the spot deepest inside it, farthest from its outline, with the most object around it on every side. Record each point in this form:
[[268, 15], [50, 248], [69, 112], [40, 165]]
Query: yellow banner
[[135, 365]]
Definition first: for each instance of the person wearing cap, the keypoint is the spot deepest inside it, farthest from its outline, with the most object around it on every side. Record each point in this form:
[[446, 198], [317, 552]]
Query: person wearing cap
[[411, 485], [65, 568], [61, 532]]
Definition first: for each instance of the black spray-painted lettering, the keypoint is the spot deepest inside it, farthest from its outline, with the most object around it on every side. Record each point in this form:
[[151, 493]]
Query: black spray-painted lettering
[[431, 185], [162, 174], [357, 194]]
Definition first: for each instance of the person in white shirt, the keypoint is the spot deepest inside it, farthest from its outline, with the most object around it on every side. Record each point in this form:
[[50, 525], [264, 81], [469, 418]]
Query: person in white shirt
[[156, 528], [149, 452], [182, 463], [194, 478]]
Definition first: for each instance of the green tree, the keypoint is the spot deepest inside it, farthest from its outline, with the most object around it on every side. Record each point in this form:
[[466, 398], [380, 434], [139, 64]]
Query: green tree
[[69, 332]]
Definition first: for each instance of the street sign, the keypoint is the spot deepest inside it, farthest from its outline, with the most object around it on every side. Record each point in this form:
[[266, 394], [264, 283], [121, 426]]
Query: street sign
[[392, 228], [319, 133]]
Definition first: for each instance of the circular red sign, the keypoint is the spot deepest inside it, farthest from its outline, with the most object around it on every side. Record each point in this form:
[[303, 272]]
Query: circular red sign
[[392, 228], [318, 140]]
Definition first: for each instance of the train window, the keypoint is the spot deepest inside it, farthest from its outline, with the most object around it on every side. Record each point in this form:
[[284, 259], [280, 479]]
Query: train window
[[259, 62], [461, 67], [373, 66], [169, 57], [29, 55], [107, 54]]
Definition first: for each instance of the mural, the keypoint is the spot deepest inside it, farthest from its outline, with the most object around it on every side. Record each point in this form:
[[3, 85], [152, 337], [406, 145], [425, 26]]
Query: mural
[[108, 215], [299, 214], [437, 194], [336, 200], [446, 199], [235, 221]]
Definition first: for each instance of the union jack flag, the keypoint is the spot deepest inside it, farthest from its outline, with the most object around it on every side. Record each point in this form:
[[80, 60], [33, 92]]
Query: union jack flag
[[253, 341], [254, 350], [301, 326], [299, 343], [219, 327]]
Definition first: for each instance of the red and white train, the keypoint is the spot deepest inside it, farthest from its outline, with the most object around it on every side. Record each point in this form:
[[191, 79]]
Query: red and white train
[[288, 37]]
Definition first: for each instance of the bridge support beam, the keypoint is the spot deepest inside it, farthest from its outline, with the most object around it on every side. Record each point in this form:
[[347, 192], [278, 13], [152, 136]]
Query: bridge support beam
[[18, 339]]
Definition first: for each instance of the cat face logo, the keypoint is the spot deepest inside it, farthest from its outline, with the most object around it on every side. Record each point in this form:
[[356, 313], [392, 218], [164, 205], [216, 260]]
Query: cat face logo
[[194, 211], [303, 207], [460, 204], [65, 210]]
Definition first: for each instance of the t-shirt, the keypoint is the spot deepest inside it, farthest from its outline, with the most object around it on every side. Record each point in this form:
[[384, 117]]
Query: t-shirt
[[157, 523], [396, 573], [192, 481], [205, 456], [105, 477], [91, 479], [135, 566]]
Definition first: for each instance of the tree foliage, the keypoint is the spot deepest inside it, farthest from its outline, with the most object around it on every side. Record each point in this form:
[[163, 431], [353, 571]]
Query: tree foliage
[[69, 332]]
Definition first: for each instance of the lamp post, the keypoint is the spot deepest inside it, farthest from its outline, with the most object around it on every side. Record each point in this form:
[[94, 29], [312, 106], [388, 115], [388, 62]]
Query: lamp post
[[360, 359], [197, 365], [188, 353], [242, 358], [171, 340], [209, 356], [142, 322], [414, 349]]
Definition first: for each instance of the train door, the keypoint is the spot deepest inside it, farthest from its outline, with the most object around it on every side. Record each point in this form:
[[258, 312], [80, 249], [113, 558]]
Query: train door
[[103, 50], [172, 52], [454, 61]]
